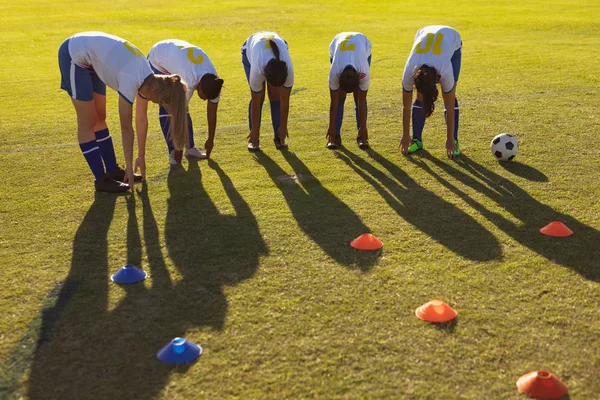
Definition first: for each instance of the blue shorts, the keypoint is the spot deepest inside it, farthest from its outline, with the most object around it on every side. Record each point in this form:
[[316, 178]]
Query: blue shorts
[[455, 61], [81, 83], [246, 62]]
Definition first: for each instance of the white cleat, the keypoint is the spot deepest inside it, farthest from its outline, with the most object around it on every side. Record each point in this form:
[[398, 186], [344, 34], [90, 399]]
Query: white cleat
[[194, 152]]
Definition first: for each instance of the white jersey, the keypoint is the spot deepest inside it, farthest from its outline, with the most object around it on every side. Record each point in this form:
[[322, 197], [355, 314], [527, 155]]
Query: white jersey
[[350, 48], [258, 51], [433, 46], [118, 63], [174, 56]]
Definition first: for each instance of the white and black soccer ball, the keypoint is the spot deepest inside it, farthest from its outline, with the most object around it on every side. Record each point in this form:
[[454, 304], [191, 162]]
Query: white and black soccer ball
[[505, 147]]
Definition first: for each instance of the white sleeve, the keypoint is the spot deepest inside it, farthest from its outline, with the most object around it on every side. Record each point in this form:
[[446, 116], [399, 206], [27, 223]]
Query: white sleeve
[[289, 82], [332, 47], [127, 87], [447, 80], [407, 78], [365, 81], [216, 99], [334, 79], [256, 80], [369, 46]]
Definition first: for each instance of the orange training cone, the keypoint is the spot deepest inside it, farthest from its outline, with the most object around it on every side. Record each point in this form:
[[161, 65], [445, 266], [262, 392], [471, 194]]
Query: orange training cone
[[541, 385], [435, 311], [366, 241], [556, 229]]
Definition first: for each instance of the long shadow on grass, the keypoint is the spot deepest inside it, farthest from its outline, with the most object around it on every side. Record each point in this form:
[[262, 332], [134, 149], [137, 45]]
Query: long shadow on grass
[[426, 211], [580, 251], [324, 218], [96, 353]]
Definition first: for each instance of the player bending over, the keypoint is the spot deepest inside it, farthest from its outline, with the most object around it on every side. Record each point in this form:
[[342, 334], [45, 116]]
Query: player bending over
[[435, 58], [174, 56], [88, 62], [266, 57], [350, 58]]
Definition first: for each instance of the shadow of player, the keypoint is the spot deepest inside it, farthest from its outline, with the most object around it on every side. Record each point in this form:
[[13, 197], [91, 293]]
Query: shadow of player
[[426, 211], [95, 351], [580, 251], [323, 217]]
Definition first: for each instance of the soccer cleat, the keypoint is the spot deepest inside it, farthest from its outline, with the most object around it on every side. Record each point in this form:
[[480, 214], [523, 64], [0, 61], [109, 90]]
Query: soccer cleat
[[363, 144], [456, 151], [175, 157], [195, 153], [337, 142], [280, 144], [254, 145], [119, 175], [109, 185], [416, 145]]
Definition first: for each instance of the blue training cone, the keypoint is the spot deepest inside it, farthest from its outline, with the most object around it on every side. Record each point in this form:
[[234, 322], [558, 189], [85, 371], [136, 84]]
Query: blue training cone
[[129, 274], [179, 351]]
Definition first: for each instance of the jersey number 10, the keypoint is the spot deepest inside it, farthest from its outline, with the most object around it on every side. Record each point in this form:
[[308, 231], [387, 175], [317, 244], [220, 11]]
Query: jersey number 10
[[431, 39]]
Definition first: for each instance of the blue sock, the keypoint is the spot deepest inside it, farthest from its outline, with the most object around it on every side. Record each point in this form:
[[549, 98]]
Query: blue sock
[[276, 115], [418, 119], [250, 115], [107, 150], [455, 118], [339, 118], [190, 131], [356, 112], [165, 124], [91, 152]]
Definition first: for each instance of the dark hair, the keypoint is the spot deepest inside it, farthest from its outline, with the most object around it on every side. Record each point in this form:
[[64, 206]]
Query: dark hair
[[425, 82], [276, 70], [211, 85], [349, 79]]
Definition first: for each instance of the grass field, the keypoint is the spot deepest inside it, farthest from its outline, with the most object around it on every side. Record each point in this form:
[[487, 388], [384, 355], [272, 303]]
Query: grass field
[[260, 272]]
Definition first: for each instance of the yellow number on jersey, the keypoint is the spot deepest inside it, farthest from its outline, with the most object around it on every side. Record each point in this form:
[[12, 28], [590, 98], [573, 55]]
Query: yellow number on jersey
[[190, 55], [134, 50], [431, 39], [345, 46], [268, 39]]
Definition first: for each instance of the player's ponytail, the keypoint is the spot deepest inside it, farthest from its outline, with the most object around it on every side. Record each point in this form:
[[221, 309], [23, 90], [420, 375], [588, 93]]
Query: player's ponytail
[[276, 70], [349, 79], [211, 86], [425, 82], [171, 94]]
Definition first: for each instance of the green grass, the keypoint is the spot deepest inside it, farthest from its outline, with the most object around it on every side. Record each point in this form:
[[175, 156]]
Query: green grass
[[260, 273]]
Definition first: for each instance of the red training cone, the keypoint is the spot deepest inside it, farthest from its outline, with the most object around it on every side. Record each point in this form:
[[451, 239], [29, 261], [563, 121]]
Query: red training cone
[[541, 385], [556, 229], [435, 311], [366, 241]]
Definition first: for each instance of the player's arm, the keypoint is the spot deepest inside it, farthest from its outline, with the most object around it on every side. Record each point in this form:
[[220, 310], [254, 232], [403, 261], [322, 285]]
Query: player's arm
[[126, 118], [450, 115], [141, 127], [406, 110], [211, 116]]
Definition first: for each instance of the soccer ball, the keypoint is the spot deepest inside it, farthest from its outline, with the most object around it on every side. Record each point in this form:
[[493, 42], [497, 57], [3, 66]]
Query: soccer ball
[[505, 147]]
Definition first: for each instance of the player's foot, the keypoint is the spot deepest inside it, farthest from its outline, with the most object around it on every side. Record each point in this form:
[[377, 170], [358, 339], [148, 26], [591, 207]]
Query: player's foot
[[456, 151], [335, 144], [119, 175], [106, 184], [280, 144], [254, 145], [195, 153], [416, 145], [363, 144], [175, 157]]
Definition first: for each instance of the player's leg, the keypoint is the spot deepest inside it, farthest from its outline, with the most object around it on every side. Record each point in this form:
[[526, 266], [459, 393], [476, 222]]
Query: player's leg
[[456, 63], [275, 103], [102, 135], [192, 151]]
